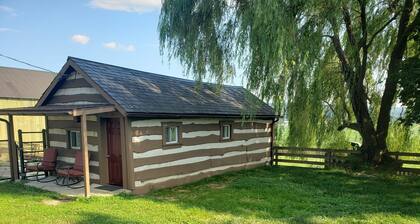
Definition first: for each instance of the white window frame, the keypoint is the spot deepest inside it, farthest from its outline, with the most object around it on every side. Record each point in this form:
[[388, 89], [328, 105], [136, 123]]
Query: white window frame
[[167, 135], [228, 131], [77, 133]]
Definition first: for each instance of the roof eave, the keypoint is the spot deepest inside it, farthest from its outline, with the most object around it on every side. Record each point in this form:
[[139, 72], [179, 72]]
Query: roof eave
[[198, 115]]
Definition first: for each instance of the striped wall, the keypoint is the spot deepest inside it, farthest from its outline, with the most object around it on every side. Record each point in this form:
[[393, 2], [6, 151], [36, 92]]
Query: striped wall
[[57, 136], [75, 90], [201, 152]]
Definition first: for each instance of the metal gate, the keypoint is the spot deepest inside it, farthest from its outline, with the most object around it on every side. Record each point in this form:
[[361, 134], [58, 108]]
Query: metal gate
[[30, 150]]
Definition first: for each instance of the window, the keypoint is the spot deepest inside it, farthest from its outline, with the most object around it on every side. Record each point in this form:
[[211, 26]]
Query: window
[[171, 134], [74, 139], [226, 131]]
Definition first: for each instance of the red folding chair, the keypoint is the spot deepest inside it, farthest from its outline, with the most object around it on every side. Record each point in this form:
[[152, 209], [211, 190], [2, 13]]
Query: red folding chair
[[68, 176], [48, 164]]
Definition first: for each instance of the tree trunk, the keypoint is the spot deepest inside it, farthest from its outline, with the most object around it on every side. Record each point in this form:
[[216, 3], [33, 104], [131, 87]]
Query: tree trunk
[[390, 90], [374, 140], [372, 153]]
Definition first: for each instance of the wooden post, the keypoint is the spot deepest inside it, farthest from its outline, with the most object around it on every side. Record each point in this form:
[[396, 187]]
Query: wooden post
[[47, 140], [328, 159], [85, 153], [275, 156], [21, 155], [13, 152], [44, 139]]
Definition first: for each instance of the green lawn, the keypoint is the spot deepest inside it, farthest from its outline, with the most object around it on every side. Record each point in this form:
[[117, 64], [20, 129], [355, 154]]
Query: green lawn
[[265, 195]]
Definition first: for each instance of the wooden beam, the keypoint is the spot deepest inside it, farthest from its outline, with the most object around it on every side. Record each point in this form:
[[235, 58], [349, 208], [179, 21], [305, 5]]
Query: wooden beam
[[88, 111], [85, 153], [12, 150]]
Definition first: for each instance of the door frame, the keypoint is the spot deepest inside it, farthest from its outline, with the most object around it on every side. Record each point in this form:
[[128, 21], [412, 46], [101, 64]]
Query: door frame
[[103, 148]]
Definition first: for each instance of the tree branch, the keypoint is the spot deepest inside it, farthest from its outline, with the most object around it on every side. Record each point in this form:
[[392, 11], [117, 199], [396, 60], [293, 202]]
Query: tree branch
[[362, 42], [363, 22], [349, 28], [329, 36], [345, 108], [381, 29], [345, 67], [353, 126], [339, 50], [413, 25], [330, 106]]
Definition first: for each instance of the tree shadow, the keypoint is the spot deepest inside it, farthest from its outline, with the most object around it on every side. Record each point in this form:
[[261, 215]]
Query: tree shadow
[[93, 217], [297, 195]]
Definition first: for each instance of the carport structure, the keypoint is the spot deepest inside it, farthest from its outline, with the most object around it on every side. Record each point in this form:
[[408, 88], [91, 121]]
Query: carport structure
[[76, 111]]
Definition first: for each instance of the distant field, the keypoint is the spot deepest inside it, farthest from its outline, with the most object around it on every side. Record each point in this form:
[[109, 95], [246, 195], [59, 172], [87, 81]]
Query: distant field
[[399, 138]]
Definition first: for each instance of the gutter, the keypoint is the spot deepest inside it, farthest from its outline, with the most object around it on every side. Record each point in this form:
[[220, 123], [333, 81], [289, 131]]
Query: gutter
[[272, 139]]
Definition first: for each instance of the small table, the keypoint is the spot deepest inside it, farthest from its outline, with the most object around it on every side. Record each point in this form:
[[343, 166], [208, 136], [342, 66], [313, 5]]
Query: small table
[[64, 174]]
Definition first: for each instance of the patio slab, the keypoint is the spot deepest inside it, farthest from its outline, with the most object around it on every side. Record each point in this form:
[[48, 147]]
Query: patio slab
[[52, 186]]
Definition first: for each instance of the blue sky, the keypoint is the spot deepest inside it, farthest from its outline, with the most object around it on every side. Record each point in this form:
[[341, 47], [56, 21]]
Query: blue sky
[[120, 32]]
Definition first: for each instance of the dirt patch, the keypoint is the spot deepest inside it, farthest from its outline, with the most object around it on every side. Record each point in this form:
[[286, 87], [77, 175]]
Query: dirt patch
[[217, 185], [183, 190], [55, 202]]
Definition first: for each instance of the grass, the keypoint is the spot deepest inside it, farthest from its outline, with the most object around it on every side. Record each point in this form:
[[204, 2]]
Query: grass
[[264, 195]]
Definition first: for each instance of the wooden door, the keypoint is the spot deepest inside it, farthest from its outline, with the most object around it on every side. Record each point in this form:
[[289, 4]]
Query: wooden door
[[114, 151]]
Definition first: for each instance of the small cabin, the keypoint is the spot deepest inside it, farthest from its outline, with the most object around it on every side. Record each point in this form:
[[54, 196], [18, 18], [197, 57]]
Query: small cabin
[[147, 131]]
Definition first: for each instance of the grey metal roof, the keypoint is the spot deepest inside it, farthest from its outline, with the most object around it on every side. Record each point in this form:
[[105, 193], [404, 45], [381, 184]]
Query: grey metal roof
[[139, 92], [23, 83]]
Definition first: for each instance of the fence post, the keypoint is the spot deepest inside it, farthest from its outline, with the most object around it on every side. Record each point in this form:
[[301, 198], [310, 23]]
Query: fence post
[[276, 152], [327, 159], [271, 155], [21, 156], [44, 139]]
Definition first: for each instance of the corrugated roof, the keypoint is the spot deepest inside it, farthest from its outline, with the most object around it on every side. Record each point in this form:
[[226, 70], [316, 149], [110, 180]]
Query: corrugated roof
[[147, 93], [23, 83]]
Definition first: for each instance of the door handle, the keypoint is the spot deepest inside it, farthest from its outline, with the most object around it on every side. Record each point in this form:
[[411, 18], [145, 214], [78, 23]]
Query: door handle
[[108, 156]]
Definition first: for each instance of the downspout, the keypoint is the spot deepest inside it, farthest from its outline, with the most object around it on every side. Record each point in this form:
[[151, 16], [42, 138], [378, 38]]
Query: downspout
[[11, 147], [272, 140]]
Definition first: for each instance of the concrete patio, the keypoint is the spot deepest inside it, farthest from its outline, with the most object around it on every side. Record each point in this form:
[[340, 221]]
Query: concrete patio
[[107, 190]]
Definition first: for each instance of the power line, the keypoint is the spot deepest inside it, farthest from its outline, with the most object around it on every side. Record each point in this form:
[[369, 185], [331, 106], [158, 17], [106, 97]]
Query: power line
[[26, 63]]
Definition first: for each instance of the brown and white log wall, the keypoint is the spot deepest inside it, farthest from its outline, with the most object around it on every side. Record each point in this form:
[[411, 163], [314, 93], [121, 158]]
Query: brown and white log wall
[[201, 152]]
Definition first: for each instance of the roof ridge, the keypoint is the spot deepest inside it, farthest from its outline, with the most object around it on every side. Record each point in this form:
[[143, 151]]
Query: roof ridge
[[151, 73]]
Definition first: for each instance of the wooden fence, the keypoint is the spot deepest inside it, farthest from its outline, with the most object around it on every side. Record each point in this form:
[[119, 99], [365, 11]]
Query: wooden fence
[[410, 162], [327, 158]]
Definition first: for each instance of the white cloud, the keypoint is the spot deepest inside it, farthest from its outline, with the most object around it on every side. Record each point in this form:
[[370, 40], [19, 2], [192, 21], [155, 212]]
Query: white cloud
[[110, 45], [118, 46], [81, 39], [8, 10], [137, 6], [130, 48]]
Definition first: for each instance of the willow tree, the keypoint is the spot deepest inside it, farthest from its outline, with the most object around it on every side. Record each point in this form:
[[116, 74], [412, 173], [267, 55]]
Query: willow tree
[[323, 62]]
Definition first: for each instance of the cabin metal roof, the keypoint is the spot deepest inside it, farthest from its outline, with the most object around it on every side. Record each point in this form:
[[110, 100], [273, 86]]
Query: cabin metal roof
[[140, 93]]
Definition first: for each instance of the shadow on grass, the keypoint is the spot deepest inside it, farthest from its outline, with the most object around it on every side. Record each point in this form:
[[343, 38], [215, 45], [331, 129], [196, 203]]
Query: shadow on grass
[[297, 194], [92, 217], [19, 189]]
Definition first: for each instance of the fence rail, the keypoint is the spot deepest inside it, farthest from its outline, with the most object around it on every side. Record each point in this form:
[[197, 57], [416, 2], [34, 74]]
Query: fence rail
[[326, 158], [410, 162], [310, 156]]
